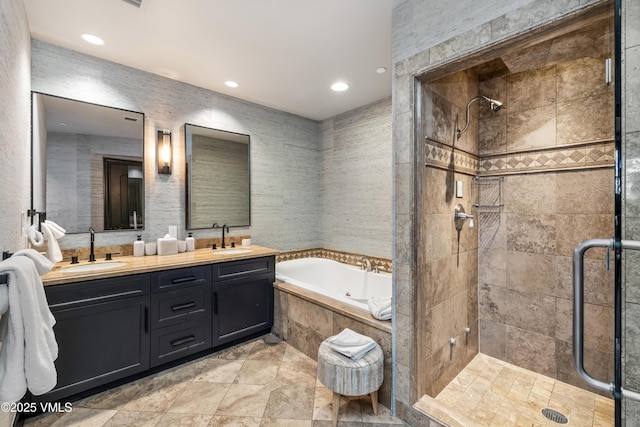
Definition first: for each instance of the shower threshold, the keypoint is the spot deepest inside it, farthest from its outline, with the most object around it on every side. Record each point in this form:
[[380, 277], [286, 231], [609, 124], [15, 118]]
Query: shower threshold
[[492, 393]]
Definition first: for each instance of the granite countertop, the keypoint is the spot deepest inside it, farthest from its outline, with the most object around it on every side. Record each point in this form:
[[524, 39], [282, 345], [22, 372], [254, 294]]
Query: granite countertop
[[146, 264]]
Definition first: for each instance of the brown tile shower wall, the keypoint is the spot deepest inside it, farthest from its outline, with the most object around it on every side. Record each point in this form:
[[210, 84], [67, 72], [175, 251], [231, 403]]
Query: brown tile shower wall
[[447, 268], [557, 121]]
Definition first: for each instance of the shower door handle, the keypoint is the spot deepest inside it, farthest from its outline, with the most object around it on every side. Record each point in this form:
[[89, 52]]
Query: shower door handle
[[578, 311]]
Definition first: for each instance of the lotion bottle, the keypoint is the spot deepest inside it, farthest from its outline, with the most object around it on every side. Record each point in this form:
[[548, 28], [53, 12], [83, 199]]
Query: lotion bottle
[[191, 243], [138, 247]]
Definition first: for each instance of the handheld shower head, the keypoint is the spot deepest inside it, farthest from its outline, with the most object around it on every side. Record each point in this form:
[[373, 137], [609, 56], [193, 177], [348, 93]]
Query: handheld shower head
[[493, 104]]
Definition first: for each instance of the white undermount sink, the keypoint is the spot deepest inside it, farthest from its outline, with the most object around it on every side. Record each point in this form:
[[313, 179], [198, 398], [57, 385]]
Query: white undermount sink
[[231, 251], [93, 267]]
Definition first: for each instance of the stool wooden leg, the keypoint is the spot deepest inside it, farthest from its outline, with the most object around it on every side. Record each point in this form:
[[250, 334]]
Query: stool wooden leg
[[374, 402], [336, 408]]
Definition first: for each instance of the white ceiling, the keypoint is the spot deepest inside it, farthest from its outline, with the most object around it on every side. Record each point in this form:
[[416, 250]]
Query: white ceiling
[[284, 54]]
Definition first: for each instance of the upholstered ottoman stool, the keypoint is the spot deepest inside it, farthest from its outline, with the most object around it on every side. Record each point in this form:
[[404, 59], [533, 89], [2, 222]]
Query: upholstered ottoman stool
[[348, 377]]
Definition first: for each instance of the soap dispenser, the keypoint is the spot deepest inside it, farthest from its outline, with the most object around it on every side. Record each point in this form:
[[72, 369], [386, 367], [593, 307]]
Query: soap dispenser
[[191, 242], [138, 247]]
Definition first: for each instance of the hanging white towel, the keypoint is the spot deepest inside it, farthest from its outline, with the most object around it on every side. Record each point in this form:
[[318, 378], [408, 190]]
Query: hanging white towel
[[351, 344], [57, 231], [53, 248], [35, 237], [29, 347], [380, 308]]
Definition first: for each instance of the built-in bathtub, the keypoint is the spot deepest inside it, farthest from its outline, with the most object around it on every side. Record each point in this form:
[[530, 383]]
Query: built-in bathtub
[[345, 283], [311, 305]]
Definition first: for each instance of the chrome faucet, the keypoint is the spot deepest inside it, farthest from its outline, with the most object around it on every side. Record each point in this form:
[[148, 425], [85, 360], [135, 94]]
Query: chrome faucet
[[215, 225], [365, 263], [92, 256]]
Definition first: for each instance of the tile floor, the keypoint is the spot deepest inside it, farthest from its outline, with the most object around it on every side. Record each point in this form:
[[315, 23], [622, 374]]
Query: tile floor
[[261, 383], [490, 392]]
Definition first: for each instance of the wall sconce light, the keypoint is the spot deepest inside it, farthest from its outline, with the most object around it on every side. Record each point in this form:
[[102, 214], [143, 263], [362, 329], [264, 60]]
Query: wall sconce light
[[164, 152]]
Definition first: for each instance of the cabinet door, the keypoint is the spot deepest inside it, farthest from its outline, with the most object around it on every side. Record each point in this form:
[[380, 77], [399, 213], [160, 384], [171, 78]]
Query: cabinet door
[[100, 343], [242, 308]]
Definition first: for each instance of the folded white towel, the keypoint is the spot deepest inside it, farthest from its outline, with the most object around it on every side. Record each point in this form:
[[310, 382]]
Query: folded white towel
[[35, 237], [351, 344], [58, 232], [380, 308], [53, 248], [29, 347]]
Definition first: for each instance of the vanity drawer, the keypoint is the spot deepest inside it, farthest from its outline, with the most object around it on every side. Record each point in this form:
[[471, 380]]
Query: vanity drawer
[[172, 279], [243, 268], [174, 342], [70, 295], [180, 305]]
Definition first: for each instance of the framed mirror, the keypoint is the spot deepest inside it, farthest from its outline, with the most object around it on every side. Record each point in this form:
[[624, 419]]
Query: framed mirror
[[218, 178], [87, 164]]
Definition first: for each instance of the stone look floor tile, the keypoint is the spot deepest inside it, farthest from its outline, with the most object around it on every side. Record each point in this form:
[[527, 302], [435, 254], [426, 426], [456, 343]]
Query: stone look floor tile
[[184, 420], [158, 396], [220, 371], [291, 403], [515, 397], [322, 404], [115, 398], [261, 383], [200, 398], [133, 419], [245, 399], [84, 417], [257, 372], [232, 421]]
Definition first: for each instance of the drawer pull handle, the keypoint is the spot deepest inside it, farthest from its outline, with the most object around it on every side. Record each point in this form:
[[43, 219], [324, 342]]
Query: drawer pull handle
[[184, 280], [183, 306], [180, 341]]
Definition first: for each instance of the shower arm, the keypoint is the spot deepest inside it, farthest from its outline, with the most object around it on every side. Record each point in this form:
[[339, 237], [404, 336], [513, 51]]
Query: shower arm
[[466, 126]]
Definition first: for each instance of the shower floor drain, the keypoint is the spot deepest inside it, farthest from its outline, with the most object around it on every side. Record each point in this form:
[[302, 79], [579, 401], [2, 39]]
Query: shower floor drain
[[554, 416]]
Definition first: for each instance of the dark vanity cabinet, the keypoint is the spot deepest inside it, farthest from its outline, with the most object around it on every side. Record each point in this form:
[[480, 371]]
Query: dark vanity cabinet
[[180, 313], [110, 329], [242, 298], [102, 329]]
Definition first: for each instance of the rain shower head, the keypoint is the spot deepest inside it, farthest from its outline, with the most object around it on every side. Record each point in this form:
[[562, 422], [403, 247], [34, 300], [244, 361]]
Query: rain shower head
[[493, 104]]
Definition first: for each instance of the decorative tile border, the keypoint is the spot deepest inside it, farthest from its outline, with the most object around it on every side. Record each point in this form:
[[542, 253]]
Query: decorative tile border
[[579, 156], [450, 158], [343, 257], [583, 156]]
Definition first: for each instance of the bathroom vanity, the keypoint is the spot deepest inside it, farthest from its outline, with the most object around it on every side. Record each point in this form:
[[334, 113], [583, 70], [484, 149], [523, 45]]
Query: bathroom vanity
[[116, 323]]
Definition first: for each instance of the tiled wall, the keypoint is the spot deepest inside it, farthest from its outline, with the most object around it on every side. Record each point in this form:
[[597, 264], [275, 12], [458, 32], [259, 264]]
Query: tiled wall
[[14, 122], [447, 278], [554, 94], [285, 162], [418, 48], [15, 116], [631, 204], [356, 180]]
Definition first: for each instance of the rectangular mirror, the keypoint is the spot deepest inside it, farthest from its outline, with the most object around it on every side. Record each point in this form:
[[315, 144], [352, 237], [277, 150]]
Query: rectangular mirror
[[218, 183], [87, 164]]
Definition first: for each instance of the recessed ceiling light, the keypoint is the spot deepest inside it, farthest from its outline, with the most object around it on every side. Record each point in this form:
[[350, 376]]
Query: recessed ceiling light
[[231, 83], [339, 86], [90, 38], [381, 70]]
